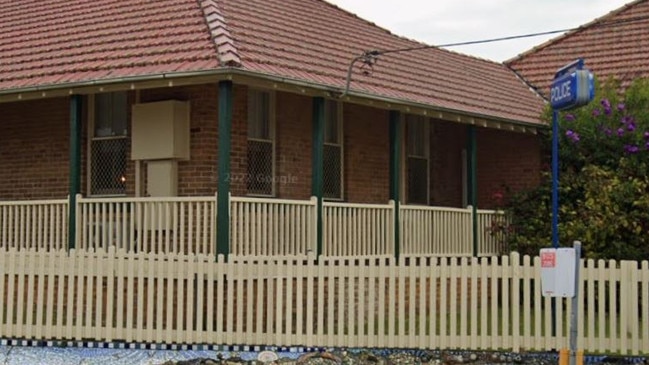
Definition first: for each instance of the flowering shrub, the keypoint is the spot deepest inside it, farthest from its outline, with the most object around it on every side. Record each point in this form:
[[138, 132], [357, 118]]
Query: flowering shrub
[[604, 180]]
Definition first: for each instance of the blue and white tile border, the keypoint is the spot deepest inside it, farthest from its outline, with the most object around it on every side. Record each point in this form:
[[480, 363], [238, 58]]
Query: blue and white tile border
[[248, 352]]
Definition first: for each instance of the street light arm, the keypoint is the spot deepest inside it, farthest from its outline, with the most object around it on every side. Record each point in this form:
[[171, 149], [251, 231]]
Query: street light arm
[[369, 58]]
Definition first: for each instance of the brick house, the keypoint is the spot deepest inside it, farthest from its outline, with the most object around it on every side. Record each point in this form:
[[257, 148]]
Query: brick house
[[613, 45], [220, 121]]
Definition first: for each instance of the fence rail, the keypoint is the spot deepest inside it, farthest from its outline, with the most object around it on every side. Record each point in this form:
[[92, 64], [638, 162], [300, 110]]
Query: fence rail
[[272, 226], [258, 226], [435, 230], [358, 229], [37, 224], [470, 303], [492, 232], [176, 224]]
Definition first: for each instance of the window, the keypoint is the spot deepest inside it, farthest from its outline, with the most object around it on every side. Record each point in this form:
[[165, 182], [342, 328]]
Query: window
[[108, 144], [417, 159], [333, 151], [261, 143]]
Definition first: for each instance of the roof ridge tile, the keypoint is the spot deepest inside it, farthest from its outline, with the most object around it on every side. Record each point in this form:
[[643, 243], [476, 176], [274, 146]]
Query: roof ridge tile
[[226, 49]]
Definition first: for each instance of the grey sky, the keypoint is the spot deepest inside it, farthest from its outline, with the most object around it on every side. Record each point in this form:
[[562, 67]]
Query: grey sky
[[449, 21]]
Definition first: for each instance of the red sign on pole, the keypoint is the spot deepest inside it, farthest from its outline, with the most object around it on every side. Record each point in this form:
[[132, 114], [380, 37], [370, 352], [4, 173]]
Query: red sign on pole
[[548, 259]]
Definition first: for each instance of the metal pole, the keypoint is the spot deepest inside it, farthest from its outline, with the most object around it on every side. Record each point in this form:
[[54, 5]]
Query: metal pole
[[555, 202], [555, 179], [395, 168], [223, 185], [318, 120], [473, 146], [575, 306], [75, 167]]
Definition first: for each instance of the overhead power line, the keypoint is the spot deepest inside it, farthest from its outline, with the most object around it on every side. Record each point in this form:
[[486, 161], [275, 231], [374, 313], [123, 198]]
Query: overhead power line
[[369, 58], [508, 38]]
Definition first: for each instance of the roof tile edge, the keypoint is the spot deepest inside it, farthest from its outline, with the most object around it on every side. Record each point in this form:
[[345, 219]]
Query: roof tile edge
[[227, 51]]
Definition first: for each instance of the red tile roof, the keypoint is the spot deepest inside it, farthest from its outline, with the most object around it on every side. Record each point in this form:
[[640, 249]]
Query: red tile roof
[[305, 40], [614, 45], [63, 41]]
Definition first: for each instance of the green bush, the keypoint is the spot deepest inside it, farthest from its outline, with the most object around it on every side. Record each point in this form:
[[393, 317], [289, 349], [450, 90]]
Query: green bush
[[603, 180]]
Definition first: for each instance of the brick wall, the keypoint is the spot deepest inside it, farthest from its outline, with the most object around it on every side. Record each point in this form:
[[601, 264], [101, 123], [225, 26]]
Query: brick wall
[[447, 142], [34, 148], [506, 160], [294, 134], [367, 154]]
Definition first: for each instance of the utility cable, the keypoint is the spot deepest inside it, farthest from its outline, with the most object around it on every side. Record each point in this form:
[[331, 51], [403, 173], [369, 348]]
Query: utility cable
[[507, 38], [369, 58]]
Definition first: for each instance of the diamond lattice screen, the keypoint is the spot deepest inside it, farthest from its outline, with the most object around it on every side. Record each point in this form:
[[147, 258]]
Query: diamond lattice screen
[[108, 166], [260, 167]]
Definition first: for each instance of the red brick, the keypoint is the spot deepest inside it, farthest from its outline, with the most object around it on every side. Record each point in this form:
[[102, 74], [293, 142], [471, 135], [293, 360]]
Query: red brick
[[35, 142]]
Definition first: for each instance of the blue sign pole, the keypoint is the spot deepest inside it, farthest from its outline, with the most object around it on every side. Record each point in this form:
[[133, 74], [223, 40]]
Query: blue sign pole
[[555, 178], [572, 87]]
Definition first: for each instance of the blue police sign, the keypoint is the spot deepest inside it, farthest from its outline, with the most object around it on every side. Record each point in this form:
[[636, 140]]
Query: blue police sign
[[572, 87]]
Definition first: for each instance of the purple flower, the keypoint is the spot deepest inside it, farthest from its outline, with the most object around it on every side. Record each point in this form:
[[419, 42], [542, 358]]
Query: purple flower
[[572, 135], [646, 145], [606, 103], [608, 131], [620, 107], [596, 112], [631, 127], [627, 119], [569, 117], [646, 135], [607, 110], [620, 132], [631, 148]]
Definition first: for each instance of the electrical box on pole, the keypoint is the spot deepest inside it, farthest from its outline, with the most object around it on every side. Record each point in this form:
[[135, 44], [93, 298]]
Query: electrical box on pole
[[558, 272]]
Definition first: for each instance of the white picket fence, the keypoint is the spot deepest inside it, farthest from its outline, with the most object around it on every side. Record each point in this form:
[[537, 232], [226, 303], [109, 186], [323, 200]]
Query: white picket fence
[[272, 226], [422, 236], [39, 224], [258, 226], [358, 229], [469, 303], [174, 224]]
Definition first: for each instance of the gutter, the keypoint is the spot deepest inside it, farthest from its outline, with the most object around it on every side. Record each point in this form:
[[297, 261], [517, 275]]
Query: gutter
[[232, 72], [337, 92]]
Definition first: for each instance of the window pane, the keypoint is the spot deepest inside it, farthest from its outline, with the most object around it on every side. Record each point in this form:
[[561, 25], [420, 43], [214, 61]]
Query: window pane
[[417, 180], [416, 142], [259, 115], [111, 114], [332, 166], [120, 113], [103, 115], [332, 132]]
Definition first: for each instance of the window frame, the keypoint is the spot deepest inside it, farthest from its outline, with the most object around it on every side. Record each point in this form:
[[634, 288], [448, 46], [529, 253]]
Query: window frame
[[91, 138], [426, 122], [272, 121], [341, 144]]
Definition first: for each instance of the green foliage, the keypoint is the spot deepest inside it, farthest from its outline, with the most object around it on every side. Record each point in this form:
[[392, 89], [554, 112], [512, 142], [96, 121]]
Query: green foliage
[[604, 180]]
